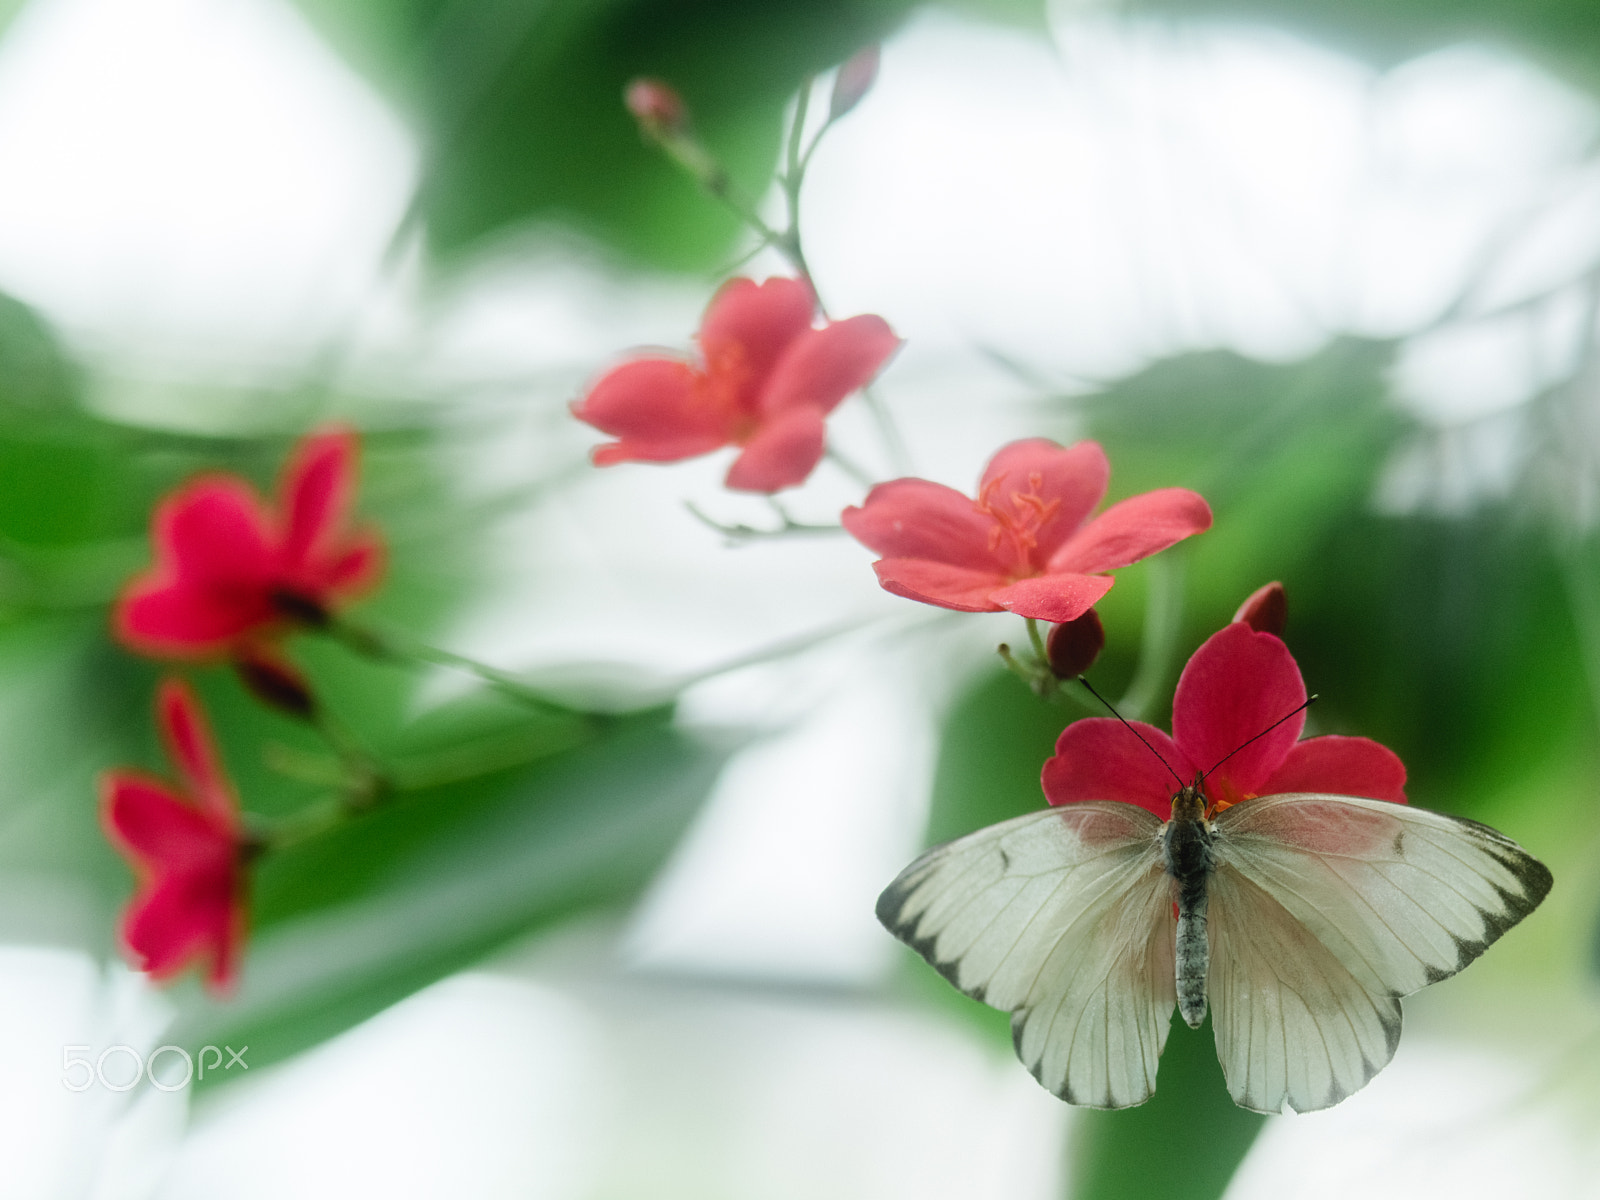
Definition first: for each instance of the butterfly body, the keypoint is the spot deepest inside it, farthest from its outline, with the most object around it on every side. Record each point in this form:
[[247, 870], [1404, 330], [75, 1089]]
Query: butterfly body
[[1186, 841], [1302, 918]]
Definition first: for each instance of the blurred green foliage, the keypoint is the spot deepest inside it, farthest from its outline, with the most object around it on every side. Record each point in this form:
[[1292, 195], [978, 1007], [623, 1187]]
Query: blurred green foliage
[[519, 104], [1561, 34], [512, 818]]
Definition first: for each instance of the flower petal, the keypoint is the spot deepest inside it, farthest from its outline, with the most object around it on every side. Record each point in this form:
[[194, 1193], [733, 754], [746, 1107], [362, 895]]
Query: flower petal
[[785, 450], [167, 619], [1053, 597], [1074, 477], [1234, 687], [1099, 758], [318, 483], [823, 366], [914, 518], [751, 324], [1133, 529], [193, 749], [960, 588], [1345, 766], [357, 567], [216, 530], [228, 944], [152, 824], [179, 917], [658, 410]]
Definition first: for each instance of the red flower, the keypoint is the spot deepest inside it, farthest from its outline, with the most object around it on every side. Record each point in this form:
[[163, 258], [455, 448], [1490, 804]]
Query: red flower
[[231, 568], [1236, 685], [187, 846], [1028, 543], [766, 381]]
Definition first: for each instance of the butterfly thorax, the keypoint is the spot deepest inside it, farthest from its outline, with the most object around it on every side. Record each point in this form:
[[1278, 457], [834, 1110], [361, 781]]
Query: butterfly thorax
[[1186, 851]]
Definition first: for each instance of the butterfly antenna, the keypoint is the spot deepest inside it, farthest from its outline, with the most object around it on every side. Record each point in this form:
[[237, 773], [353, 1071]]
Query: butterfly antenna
[[1309, 700], [1137, 734]]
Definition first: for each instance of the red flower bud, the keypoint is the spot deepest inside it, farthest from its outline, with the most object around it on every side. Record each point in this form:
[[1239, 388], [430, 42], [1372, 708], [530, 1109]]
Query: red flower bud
[[275, 681], [657, 108], [1073, 645], [853, 81], [1266, 611]]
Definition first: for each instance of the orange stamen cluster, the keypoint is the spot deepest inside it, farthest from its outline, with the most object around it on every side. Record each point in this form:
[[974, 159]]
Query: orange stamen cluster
[[1020, 521]]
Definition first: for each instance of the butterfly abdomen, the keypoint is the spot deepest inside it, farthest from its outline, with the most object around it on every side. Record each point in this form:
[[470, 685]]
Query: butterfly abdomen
[[1186, 848]]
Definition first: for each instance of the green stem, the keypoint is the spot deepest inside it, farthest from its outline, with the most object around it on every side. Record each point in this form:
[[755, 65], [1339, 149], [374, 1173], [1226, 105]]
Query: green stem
[[398, 648], [1037, 640], [849, 466], [1163, 616], [745, 533]]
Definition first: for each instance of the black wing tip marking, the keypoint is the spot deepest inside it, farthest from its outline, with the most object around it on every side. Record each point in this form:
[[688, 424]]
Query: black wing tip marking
[[890, 909], [1536, 882]]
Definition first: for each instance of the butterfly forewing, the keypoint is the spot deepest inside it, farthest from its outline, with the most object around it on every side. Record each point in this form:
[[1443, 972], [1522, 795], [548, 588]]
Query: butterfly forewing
[[1062, 918], [1325, 910]]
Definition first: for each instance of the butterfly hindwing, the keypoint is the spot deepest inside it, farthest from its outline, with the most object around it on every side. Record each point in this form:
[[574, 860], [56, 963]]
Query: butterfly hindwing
[[1062, 918], [1325, 910]]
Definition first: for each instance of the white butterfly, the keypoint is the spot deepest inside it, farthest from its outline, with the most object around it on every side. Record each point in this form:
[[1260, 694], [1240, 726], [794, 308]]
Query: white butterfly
[[1303, 917]]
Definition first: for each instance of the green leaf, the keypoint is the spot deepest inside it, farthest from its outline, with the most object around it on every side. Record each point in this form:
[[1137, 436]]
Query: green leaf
[[520, 102], [347, 924]]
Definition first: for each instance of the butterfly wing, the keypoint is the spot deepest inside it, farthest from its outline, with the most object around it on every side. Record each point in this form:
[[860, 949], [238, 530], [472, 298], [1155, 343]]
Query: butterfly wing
[[1324, 911], [1064, 919]]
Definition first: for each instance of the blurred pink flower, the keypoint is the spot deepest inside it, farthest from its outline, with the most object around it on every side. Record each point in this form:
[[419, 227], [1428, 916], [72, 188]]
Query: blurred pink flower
[[765, 381], [187, 846], [231, 568]]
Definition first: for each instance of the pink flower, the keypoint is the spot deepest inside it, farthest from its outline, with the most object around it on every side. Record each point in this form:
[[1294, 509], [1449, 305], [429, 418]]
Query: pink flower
[[1237, 684], [232, 568], [765, 381], [1027, 543], [187, 846]]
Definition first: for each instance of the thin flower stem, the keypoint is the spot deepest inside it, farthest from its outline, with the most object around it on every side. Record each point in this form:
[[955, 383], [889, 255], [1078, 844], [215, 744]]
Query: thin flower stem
[[1018, 667], [787, 526], [310, 822], [1163, 616], [1037, 641], [357, 798], [366, 778], [794, 169], [714, 179], [398, 648], [888, 432], [849, 466], [785, 648]]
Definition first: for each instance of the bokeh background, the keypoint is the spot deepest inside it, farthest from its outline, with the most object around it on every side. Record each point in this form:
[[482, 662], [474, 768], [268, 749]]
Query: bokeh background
[[1334, 264]]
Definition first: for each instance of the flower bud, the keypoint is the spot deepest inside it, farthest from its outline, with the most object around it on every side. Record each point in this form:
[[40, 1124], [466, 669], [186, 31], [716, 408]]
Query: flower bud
[[1266, 611], [853, 81], [275, 682], [659, 110], [1073, 645]]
